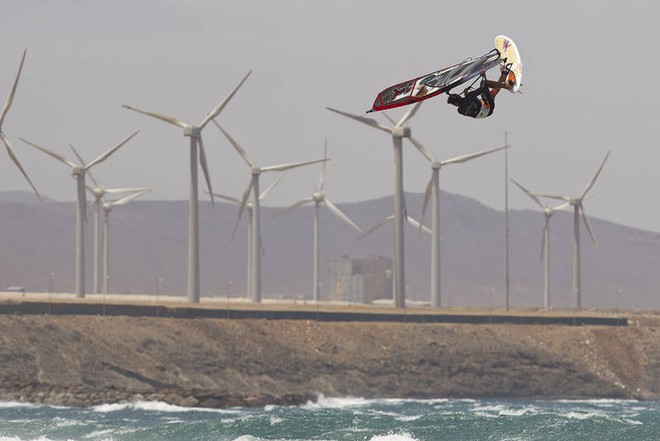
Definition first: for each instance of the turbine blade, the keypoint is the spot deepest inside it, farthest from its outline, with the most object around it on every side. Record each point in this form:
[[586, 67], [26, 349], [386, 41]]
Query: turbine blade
[[205, 168], [409, 114], [421, 148], [227, 198], [75, 152], [283, 167], [377, 226], [298, 204], [14, 157], [90, 208], [51, 153], [389, 118], [528, 193], [12, 92], [593, 180], [560, 207], [554, 196], [321, 185], [590, 230], [267, 191], [427, 196], [126, 190], [470, 156], [417, 225], [368, 121], [244, 199], [241, 151], [129, 198], [337, 212], [168, 119], [216, 111], [107, 154], [82, 164]]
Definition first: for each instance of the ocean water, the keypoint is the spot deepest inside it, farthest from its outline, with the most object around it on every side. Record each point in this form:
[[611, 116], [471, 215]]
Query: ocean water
[[340, 419]]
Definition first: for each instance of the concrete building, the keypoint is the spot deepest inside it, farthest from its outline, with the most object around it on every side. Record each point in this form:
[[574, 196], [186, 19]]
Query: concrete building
[[358, 279]]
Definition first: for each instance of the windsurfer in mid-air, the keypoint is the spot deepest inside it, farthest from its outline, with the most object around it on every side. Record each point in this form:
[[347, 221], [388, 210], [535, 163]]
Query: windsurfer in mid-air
[[480, 103]]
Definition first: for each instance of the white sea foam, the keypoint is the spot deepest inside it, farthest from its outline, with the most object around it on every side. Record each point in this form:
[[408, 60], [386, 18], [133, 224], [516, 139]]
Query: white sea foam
[[324, 402], [157, 406], [11, 404], [394, 437], [98, 433]]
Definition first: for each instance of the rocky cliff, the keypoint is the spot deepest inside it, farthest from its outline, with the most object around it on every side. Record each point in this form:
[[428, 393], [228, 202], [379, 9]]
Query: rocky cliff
[[78, 360]]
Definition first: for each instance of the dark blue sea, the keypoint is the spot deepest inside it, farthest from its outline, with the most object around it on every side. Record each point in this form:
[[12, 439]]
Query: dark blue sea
[[340, 419]]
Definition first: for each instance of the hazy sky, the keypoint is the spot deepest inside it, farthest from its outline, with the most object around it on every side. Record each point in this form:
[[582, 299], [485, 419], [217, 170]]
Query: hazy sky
[[591, 76]]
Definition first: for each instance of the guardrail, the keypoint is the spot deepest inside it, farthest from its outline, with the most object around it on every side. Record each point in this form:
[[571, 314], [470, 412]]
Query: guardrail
[[45, 308]]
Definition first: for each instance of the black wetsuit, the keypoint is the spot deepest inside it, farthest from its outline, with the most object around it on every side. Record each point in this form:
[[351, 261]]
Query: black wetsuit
[[474, 107]]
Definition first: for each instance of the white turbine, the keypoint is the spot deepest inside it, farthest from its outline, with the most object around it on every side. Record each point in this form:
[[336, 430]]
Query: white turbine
[[411, 221], [253, 189], [99, 192], [195, 134], [398, 131], [8, 146], [248, 208], [318, 198], [577, 203], [107, 208], [433, 189], [545, 244], [79, 172]]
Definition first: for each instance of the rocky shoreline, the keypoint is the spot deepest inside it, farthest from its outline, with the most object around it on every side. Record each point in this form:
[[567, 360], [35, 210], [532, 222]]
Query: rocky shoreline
[[219, 363], [81, 396]]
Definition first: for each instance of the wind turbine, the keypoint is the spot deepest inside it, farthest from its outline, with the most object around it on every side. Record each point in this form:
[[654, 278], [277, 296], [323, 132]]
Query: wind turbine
[[107, 208], [5, 109], [318, 198], [433, 189], [248, 208], [398, 130], [79, 171], [545, 244], [195, 135], [577, 204], [99, 192], [253, 188]]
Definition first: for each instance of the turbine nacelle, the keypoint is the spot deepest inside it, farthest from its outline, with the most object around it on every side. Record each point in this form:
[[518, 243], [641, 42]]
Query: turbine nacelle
[[318, 196], [98, 192], [192, 131], [401, 132]]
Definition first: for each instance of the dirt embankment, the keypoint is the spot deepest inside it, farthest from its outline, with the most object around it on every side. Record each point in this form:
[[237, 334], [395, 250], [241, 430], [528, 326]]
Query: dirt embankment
[[77, 360]]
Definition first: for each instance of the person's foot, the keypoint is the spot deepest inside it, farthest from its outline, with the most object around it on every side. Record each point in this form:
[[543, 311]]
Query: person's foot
[[510, 81]]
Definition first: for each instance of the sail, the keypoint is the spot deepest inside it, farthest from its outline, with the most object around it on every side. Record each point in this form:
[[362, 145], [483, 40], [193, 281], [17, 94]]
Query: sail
[[435, 83]]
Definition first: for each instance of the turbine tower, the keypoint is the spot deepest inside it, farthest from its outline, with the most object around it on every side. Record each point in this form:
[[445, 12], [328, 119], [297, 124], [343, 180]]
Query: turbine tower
[[248, 208], [195, 135], [99, 192], [253, 189], [107, 207], [398, 130], [433, 189], [545, 244], [79, 172], [578, 206], [318, 198], [3, 114]]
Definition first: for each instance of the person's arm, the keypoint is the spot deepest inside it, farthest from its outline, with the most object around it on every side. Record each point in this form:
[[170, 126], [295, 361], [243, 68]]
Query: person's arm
[[499, 84]]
